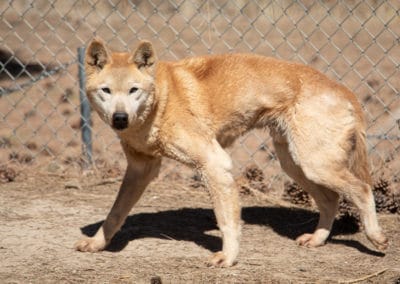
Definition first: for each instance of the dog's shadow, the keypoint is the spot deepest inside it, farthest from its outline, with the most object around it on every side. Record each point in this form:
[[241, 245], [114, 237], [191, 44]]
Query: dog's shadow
[[190, 224]]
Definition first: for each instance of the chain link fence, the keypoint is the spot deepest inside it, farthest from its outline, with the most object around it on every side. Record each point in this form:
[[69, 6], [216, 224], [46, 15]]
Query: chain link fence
[[354, 42]]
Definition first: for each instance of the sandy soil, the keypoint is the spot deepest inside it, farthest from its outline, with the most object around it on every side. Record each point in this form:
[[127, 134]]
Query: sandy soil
[[169, 235]]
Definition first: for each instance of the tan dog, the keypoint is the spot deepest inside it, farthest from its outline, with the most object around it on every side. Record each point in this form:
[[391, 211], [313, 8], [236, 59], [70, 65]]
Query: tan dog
[[191, 109]]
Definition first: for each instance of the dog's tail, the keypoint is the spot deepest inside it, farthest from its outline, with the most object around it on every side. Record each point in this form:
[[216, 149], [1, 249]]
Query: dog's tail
[[359, 163]]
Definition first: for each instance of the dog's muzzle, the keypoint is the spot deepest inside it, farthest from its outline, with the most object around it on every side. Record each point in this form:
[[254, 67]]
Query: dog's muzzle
[[120, 120]]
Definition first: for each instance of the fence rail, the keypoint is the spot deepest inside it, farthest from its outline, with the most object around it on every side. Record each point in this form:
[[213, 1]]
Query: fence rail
[[355, 42]]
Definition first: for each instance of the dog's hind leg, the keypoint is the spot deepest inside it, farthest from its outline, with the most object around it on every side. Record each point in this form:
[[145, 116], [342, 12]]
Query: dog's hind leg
[[140, 171], [326, 200], [329, 170], [344, 182], [324, 134]]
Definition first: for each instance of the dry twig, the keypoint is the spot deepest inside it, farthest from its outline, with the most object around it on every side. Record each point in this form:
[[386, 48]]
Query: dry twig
[[364, 277]]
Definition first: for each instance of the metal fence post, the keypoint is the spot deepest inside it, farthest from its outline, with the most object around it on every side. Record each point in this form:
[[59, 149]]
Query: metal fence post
[[85, 111]]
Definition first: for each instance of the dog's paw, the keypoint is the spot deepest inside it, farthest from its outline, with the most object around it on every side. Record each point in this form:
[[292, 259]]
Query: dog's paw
[[379, 241], [309, 241], [89, 245], [219, 259]]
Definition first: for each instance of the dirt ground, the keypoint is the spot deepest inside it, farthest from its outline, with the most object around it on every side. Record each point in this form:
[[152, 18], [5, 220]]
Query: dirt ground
[[169, 235]]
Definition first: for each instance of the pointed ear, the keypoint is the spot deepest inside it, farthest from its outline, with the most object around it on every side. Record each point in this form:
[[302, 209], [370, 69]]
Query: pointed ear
[[144, 56], [97, 54]]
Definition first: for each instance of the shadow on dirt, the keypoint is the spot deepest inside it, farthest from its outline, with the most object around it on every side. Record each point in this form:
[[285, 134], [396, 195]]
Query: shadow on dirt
[[11, 67], [192, 224]]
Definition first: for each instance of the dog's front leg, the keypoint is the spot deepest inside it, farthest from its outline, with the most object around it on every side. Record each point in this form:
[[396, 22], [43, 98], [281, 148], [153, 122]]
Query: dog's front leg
[[139, 173], [216, 173]]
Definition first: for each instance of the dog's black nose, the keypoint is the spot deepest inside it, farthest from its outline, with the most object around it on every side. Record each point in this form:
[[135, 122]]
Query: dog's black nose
[[120, 120]]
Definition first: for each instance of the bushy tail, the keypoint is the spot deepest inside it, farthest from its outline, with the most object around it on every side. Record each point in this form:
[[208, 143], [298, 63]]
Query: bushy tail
[[359, 162]]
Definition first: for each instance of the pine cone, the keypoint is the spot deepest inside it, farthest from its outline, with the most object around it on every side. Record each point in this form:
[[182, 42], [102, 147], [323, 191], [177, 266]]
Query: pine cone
[[296, 195], [253, 173]]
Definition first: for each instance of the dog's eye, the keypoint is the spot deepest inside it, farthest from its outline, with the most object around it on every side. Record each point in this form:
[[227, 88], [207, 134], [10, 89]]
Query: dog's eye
[[106, 90], [133, 90]]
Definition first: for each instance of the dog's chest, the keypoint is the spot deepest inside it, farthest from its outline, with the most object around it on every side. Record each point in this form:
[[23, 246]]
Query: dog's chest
[[146, 142]]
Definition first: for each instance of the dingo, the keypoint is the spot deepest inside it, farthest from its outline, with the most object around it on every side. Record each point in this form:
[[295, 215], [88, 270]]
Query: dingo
[[191, 109]]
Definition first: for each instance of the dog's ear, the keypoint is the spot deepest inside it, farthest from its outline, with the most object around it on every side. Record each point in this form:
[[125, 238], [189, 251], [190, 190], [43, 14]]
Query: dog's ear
[[97, 54], [144, 56]]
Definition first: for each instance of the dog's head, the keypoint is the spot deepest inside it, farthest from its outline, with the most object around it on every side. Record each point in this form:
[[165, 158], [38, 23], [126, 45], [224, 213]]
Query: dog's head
[[120, 86]]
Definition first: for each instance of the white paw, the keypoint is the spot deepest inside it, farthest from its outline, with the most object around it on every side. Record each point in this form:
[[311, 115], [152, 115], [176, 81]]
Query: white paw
[[219, 259], [89, 245], [379, 241], [309, 241]]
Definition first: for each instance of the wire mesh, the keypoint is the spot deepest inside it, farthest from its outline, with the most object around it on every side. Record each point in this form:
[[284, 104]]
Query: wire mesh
[[354, 42]]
